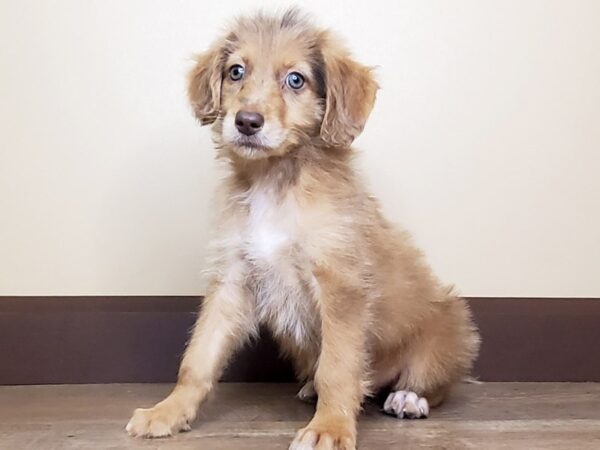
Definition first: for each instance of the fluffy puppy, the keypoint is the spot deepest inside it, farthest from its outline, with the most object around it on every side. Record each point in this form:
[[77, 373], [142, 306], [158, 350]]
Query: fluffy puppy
[[303, 249]]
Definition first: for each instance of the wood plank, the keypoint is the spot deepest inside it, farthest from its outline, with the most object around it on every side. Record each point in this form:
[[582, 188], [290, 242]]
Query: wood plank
[[266, 416]]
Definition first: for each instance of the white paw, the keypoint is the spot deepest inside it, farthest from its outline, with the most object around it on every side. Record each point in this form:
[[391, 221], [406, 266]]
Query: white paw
[[308, 392], [406, 405]]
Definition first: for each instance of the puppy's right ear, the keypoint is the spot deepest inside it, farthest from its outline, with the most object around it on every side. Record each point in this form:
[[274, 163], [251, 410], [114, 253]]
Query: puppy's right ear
[[204, 83]]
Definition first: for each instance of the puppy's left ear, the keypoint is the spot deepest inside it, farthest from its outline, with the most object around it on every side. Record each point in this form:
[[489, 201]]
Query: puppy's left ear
[[350, 93], [204, 84]]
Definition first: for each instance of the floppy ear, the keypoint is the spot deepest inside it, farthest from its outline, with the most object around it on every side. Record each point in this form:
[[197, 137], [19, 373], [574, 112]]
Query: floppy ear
[[349, 95], [204, 84]]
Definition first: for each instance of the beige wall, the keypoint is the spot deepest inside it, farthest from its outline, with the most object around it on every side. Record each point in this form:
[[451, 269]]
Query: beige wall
[[485, 141]]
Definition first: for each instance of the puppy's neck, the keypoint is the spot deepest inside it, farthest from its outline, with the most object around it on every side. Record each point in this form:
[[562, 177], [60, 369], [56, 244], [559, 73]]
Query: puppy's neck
[[310, 169], [278, 172]]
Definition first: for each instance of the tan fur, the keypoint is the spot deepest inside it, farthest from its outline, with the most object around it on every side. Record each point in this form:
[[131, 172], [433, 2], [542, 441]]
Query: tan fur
[[303, 248]]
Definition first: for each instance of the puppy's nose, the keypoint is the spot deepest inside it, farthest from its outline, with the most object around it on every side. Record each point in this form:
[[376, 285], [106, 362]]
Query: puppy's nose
[[249, 123]]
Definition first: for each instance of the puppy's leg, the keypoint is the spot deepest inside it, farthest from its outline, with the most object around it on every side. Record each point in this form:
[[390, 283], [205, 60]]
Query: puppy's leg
[[437, 359], [225, 321], [339, 378], [417, 390]]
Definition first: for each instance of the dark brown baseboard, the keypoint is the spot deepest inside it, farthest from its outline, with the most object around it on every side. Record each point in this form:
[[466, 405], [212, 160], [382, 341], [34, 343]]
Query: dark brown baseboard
[[47, 340]]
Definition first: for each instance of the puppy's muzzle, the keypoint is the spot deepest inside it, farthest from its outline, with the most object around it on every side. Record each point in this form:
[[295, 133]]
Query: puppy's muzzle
[[249, 123]]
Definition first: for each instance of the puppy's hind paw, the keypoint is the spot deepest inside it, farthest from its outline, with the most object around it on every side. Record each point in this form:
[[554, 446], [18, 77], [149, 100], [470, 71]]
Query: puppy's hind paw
[[406, 405]]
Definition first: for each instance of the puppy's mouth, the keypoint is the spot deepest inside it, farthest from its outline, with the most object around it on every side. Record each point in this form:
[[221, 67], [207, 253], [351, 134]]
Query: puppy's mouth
[[251, 142]]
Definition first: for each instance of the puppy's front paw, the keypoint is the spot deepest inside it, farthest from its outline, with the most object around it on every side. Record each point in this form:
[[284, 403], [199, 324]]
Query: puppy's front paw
[[325, 436], [161, 421]]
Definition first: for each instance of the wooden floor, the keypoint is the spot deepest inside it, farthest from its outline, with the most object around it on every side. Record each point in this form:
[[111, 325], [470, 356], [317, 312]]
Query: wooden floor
[[265, 417]]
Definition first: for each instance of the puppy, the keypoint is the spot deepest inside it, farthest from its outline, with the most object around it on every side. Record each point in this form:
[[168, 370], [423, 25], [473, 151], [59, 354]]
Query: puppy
[[303, 249]]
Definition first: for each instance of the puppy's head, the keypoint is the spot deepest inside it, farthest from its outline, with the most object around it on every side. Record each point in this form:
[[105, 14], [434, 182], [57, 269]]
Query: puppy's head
[[273, 83]]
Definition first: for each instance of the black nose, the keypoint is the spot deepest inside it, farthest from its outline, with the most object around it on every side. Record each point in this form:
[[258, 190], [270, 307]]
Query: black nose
[[249, 123]]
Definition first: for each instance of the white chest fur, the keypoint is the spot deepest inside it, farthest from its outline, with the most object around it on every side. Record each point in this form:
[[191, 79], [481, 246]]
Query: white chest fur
[[272, 244], [271, 225]]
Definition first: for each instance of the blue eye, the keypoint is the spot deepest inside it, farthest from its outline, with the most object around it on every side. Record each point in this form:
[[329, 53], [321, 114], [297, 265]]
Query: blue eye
[[295, 80], [236, 72]]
